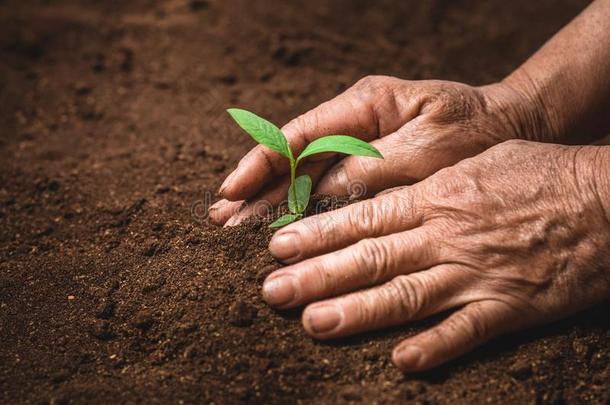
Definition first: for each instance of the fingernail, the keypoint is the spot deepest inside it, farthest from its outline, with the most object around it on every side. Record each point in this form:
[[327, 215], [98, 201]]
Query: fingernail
[[227, 181], [408, 357], [324, 318], [280, 291], [285, 245]]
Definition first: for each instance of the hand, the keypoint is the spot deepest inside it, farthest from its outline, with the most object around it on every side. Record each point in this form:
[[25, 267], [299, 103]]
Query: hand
[[419, 127], [513, 237]]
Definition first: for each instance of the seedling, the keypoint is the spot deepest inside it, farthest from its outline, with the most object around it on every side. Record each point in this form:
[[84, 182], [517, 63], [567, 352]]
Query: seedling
[[269, 135]]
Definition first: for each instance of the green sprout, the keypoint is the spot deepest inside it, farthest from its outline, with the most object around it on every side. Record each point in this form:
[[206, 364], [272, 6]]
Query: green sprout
[[267, 134]]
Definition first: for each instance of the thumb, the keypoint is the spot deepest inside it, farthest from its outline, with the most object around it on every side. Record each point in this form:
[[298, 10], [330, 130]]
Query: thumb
[[358, 176], [413, 153]]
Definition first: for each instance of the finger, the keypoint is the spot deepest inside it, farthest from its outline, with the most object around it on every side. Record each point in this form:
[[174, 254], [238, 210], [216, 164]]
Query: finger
[[404, 298], [367, 110], [464, 330], [222, 210], [359, 176], [263, 204], [260, 165], [330, 231], [275, 194], [366, 263], [413, 152], [390, 190]]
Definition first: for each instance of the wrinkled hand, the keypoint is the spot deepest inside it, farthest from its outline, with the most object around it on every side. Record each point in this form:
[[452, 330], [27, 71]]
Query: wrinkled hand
[[419, 127], [513, 237]]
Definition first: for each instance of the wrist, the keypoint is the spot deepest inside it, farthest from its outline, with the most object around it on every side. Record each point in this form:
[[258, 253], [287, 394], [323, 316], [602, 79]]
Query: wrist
[[543, 96], [593, 170], [519, 106], [601, 176]]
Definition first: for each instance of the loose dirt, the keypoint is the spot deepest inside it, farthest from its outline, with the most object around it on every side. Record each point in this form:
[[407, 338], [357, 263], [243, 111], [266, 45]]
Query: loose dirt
[[113, 288]]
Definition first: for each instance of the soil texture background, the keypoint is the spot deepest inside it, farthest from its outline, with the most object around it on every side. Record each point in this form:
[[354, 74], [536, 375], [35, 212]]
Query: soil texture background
[[113, 139]]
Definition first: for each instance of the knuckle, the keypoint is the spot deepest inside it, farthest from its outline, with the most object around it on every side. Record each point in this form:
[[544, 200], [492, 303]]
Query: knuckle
[[295, 125], [364, 217], [318, 229], [399, 205], [372, 256], [300, 126], [451, 102], [323, 277], [473, 324], [365, 311], [377, 95], [410, 296], [327, 229], [371, 88], [369, 81]]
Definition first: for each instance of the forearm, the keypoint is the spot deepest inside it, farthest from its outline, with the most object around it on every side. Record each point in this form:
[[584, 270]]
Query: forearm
[[568, 80]]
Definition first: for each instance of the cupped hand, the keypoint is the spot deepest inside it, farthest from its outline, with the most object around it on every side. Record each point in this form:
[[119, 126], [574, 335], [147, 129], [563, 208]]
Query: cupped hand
[[513, 237], [419, 127]]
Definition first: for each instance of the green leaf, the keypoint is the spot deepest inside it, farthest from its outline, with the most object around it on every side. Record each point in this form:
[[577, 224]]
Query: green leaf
[[302, 186], [284, 220], [342, 144], [262, 131]]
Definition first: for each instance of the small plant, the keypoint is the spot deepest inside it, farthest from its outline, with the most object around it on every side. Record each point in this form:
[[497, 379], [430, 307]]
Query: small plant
[[265, 133]]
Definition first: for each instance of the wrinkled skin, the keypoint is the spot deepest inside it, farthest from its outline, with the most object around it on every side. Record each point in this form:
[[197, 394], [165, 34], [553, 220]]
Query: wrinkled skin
[[418, 126], [514, 235], [506, 254]]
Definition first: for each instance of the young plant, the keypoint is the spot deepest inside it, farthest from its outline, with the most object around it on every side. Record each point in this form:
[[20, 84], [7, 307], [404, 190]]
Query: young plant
[[265, 133]]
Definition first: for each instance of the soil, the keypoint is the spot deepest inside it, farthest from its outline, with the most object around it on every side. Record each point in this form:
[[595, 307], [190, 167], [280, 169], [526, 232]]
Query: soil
[[114, 288]]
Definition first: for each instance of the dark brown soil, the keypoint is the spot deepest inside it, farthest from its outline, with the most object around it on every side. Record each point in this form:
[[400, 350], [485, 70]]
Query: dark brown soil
[[113, 288]]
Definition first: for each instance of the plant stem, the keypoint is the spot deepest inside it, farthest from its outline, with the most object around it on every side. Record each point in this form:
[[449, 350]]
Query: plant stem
[[293, 170]]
